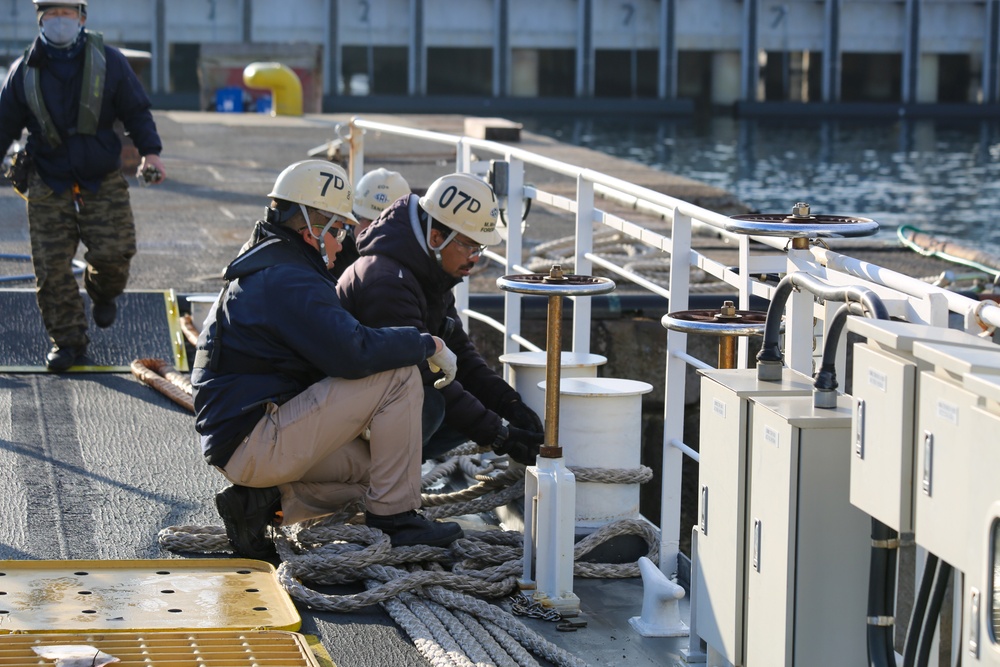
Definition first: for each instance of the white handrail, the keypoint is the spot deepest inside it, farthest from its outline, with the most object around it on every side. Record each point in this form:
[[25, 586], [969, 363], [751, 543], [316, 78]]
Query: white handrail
[[591, 187]]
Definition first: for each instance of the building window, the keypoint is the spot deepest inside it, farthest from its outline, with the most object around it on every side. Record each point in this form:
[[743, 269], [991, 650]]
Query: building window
[[378, 70], [458, 71], [184, 67], [625, 73], [556, 72]]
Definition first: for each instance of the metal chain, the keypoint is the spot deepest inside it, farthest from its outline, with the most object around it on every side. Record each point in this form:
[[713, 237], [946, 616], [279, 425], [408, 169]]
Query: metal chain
[[522, 605]]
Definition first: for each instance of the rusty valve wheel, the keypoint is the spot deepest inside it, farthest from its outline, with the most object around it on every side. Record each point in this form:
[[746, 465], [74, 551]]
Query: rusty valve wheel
[[726, 323], [801, 224], [555, 286], [720, 322]]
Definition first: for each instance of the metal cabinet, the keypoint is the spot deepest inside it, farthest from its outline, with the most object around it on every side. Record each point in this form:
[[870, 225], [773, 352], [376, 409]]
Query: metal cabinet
[[720, 571], [981, 595], [806, 604], [944, 444], [884, 388]]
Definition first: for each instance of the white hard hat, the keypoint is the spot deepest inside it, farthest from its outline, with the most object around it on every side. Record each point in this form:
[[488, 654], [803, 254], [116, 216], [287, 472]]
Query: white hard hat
[[464, 204], [318, 184], [376, 190], [42, 5]]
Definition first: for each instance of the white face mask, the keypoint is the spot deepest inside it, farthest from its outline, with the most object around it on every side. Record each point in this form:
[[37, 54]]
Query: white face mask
[[60, 31]]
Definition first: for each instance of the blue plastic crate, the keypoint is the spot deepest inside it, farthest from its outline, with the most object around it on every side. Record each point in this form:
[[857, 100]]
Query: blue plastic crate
[[229, 100]]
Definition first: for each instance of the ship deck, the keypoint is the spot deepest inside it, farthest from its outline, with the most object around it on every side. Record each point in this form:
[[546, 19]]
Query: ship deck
[[95, 464]]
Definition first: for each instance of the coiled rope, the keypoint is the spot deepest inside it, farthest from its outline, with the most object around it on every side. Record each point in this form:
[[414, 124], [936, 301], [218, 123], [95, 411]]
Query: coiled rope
[[434, 594]]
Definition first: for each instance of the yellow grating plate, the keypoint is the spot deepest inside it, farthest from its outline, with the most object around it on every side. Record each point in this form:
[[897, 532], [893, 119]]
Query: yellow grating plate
[[217, 648], [142, 595]]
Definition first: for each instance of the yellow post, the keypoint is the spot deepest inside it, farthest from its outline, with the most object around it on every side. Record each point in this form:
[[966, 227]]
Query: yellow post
[[284, 84]]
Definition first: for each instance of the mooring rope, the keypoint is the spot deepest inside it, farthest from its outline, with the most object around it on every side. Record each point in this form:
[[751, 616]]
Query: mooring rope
[[433, 593], [166, 379]]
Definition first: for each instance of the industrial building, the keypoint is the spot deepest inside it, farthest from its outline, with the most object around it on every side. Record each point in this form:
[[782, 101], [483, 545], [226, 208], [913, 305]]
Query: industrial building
[[551, 54]]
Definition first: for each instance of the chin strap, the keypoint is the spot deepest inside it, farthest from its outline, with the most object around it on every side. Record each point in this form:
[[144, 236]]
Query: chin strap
[[421, 223], [322, 235]]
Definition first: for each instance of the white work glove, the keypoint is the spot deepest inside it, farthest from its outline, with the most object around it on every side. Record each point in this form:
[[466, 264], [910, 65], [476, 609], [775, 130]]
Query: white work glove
[[444, 361]]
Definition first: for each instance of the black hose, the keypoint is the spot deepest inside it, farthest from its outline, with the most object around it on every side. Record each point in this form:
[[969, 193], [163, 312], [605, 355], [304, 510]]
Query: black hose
[[826, 378], [770, 350], [881, 589], [942, 575], [919, 609]]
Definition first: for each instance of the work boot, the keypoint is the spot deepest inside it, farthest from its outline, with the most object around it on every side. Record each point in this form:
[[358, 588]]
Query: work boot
[[412, 528], [60, 359], [247, 512], [104, 313]]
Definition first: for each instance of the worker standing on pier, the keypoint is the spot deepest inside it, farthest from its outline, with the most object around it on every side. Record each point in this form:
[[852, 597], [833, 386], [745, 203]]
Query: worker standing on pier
[[411, 258], [373, 194], [68, 90], [286, 381]]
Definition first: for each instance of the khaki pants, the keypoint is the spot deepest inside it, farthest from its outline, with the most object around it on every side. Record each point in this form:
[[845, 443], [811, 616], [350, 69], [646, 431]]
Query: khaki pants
[[309, 447]]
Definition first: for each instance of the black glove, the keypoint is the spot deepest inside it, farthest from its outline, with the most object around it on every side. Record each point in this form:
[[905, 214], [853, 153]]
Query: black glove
[[519, 444], [521, 416]]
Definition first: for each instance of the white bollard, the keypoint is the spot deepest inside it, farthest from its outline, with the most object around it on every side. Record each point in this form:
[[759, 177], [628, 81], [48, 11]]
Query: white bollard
[[600, 426], [661, 614], [527, 369]]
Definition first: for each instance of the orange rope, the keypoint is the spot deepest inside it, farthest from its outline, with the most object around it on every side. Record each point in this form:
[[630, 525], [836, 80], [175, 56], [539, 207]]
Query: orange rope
[[166, 379], [190, 330]]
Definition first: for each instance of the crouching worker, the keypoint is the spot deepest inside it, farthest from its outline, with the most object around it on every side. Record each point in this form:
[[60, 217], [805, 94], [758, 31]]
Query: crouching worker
[[411, 258], [285, 380]]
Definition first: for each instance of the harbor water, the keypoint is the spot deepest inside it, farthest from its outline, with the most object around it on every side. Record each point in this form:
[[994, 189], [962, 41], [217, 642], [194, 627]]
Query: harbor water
[[940, 177]]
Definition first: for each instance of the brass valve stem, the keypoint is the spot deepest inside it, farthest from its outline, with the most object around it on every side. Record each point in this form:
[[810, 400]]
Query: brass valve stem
[[550, 449]]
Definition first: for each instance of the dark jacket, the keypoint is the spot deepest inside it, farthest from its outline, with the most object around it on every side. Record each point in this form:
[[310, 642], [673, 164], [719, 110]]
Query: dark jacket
[[80, 158], [348, 255], [396, 282], [283, 328]]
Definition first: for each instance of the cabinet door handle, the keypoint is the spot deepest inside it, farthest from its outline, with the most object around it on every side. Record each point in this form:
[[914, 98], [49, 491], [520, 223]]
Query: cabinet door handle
[[859, 435], [756, 544], [928, 462], [974, 611], [704, 509]]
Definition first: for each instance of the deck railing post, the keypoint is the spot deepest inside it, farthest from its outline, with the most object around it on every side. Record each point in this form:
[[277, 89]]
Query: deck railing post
[[356, 151], [799, 329], [513, 211], [582, 266], [673, 400]]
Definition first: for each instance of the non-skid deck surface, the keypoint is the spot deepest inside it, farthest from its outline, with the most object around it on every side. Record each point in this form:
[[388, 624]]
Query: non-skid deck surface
[[142, 595], [147, 326]]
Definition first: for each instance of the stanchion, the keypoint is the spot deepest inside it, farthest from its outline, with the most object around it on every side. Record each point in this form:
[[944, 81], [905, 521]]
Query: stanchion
[[549, 487]]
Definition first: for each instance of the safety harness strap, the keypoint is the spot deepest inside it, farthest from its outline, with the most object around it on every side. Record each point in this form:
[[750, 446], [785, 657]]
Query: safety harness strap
[[95, 67]]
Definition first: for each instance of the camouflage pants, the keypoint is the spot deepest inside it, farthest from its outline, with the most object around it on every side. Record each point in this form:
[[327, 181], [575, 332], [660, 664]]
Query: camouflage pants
[[105, 227]]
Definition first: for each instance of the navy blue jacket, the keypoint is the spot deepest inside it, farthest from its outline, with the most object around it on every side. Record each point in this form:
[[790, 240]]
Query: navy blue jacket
[[397, 282], [283, 328], [83, 159]]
